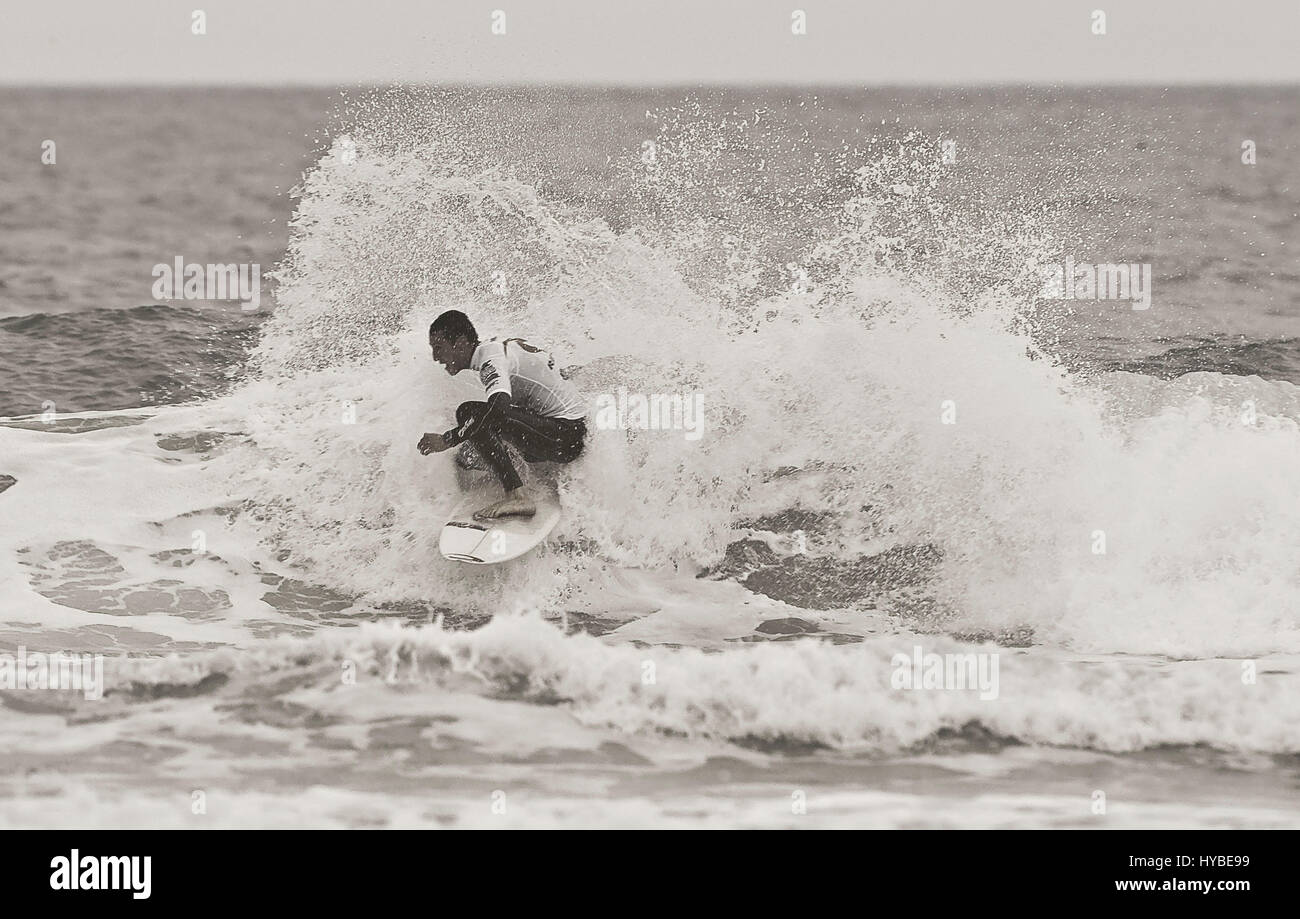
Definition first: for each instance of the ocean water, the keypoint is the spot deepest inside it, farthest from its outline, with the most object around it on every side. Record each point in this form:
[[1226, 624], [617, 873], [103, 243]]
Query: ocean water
[[905, 451]]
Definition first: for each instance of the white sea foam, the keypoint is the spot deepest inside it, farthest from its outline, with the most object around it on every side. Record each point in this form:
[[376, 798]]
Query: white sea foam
[[805, 693]]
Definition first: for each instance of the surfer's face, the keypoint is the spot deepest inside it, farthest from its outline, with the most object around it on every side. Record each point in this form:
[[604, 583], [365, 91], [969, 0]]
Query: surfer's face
[[451, 354]]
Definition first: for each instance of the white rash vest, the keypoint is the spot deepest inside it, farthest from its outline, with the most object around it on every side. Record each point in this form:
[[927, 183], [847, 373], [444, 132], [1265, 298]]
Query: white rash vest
[[528, 375]]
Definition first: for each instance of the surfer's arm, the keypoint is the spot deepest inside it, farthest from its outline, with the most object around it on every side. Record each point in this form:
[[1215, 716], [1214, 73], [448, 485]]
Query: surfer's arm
[[495, 376], [496, 403]]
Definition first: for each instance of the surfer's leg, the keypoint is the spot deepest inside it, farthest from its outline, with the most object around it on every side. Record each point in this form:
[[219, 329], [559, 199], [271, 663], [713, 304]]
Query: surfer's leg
[[539, 438], [542, 439], [487, 441]]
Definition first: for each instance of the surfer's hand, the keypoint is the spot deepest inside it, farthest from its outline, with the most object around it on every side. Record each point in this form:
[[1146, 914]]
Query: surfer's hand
[[432, 443]]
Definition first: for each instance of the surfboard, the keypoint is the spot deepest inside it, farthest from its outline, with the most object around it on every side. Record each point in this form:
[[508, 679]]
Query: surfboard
[[490, 542]]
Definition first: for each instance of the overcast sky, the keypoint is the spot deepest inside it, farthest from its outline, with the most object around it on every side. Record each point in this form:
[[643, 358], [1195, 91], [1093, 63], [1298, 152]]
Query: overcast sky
[[649, 41]]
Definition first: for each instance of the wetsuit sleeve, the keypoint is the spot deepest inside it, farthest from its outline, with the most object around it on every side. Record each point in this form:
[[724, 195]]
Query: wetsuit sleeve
[[495, 403]]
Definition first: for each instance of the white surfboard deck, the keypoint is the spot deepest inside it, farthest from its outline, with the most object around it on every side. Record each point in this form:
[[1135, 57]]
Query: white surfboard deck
[[490, 542]]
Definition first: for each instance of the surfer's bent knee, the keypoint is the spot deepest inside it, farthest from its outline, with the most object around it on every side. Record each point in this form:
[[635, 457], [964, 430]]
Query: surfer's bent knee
[[467, 411], [471, 412]]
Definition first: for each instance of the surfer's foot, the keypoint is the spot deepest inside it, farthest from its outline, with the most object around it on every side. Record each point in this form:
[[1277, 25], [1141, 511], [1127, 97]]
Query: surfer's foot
[[517, 503]]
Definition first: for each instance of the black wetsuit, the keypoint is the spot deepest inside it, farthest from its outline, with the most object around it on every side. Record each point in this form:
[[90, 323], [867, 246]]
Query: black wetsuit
[[490, 425]]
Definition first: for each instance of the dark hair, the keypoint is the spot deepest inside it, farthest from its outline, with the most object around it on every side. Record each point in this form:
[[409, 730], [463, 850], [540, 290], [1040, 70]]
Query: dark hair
[[452, 325]]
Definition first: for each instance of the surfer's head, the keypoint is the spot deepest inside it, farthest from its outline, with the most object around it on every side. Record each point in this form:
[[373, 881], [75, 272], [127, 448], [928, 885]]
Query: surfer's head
[[452, 340]]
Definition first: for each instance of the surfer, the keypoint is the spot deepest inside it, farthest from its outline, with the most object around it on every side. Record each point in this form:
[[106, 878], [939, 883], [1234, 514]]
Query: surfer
[[528, 405]]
